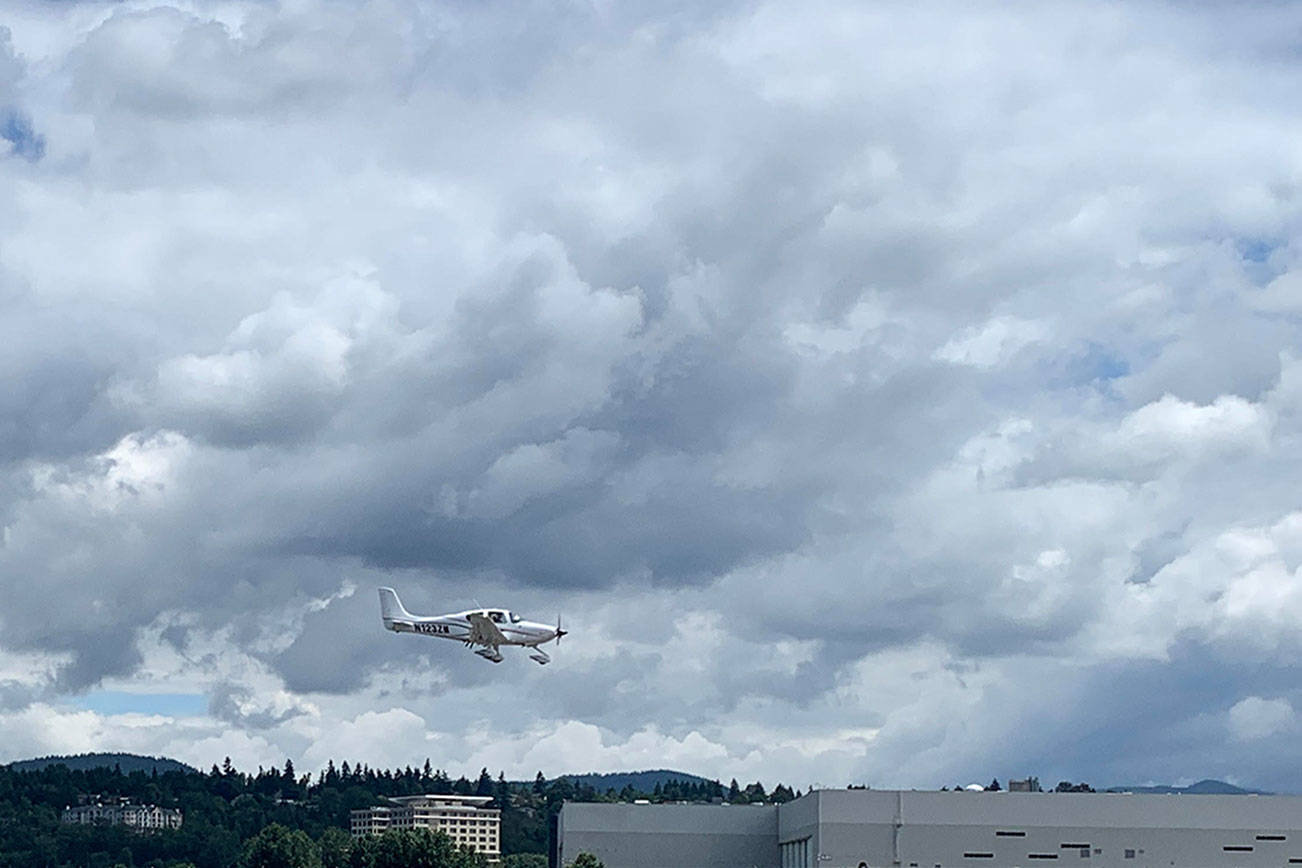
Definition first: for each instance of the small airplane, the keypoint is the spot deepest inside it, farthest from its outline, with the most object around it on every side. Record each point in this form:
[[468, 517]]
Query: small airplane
[[490, 628]]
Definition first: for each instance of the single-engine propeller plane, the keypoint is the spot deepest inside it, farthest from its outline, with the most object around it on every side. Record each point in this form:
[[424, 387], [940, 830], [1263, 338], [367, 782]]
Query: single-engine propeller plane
[[490, 628]]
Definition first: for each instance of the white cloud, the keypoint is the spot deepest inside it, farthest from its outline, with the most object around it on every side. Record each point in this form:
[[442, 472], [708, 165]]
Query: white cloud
[[139, 469], [1255, 718], [1170, 425], [992, 343], [384, 739]]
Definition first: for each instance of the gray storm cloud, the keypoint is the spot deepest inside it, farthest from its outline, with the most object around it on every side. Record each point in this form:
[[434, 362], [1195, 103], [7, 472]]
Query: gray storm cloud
[[905, 388]]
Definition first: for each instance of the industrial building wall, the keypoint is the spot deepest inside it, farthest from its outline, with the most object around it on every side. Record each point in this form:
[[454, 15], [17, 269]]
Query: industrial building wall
[[879, 829], [928, 846], [670, 836], [1017, 830], [798, 839], [858, 826]]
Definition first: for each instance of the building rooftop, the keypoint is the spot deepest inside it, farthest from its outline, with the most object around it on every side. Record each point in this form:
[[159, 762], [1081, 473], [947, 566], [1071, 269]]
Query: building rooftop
[[447, 797]]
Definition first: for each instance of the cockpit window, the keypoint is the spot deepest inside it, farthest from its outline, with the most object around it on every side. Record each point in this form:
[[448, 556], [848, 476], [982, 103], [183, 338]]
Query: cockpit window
[[515, 619], [495, 617]]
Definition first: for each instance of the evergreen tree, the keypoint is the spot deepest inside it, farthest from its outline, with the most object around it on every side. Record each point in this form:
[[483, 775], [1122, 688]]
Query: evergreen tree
[[335, 846], [278, 847], [524, 860], [410, 848]]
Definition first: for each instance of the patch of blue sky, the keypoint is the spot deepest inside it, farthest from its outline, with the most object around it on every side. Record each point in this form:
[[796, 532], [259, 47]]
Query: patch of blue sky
[[16, 128], [1095, 366], [1096, 363], [1259, 260], [123, 702], [1257, 249]]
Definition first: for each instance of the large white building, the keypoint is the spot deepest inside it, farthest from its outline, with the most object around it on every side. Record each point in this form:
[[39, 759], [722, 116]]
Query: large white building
[[464, 819], [908, 829], [120, 812]]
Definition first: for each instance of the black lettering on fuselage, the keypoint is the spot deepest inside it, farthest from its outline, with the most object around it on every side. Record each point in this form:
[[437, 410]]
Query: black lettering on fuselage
[[433, 629]]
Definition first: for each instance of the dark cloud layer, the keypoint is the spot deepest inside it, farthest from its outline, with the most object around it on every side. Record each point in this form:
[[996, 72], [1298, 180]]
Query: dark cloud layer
[[912, 387]]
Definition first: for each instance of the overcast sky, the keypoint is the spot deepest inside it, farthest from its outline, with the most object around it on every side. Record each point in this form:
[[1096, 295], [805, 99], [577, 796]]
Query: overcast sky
[[905, 394]]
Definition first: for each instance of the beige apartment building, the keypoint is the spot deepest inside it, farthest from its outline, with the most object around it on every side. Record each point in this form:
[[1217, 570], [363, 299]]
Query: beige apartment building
[[464, 819], [117, 811]]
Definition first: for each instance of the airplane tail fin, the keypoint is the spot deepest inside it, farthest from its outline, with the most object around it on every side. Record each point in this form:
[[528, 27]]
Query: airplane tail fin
[[391, 607]]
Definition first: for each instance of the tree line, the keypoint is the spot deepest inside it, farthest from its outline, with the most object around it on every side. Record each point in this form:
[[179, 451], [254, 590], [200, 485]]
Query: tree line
[[227, 810]]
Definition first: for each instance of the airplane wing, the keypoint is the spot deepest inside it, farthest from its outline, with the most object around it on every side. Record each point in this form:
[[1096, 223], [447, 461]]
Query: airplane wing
[[483, 631]]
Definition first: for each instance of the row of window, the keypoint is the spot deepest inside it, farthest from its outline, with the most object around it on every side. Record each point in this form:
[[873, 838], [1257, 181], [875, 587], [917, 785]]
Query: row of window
[[795, 854], [1128, 853], [1018, 833]]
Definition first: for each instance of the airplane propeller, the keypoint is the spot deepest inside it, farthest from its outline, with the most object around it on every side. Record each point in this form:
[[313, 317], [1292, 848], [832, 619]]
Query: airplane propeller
[[559, 631]]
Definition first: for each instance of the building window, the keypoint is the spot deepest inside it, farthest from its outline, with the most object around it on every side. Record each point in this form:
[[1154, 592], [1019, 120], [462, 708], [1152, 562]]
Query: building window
[[1237, 848], [1271, 838], [1006, 833], [978, 855], [1129, 854], [795, 854]]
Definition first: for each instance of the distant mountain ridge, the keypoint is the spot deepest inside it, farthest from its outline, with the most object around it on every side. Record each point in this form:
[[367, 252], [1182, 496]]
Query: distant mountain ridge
[[128, 762], [1207, 787], [643, 782]]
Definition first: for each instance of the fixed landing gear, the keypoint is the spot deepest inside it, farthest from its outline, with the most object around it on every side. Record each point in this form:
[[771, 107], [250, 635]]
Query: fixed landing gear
[[540, 656], [491, 654]]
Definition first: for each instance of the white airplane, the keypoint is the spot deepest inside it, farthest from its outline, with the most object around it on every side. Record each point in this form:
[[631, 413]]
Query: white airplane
[[490, 628]]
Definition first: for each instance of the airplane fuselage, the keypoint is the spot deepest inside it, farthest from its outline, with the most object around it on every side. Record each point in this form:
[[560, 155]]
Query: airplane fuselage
[[529, 634], [488, 629]]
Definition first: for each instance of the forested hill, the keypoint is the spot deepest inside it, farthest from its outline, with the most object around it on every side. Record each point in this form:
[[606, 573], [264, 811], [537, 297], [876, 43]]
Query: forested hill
[[225, 809], [645, 782], [1205, 787], [127, 762]]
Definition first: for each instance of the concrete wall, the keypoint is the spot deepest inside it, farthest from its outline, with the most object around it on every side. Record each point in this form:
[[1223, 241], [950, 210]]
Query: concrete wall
[[880, 829], [799, 820], [1017, 830], [671, 836]]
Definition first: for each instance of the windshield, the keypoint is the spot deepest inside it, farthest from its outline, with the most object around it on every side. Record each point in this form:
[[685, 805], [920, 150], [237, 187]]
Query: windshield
[[515, 619]]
